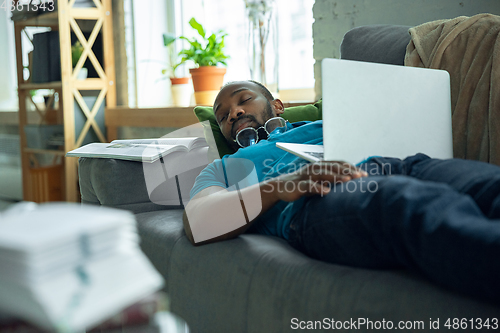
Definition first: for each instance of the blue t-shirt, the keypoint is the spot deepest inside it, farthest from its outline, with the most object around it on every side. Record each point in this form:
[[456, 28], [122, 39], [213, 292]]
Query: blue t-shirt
[[269, 161]]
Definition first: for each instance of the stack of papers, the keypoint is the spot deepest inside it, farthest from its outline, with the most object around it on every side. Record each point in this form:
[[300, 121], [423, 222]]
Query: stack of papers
[[69, 267]]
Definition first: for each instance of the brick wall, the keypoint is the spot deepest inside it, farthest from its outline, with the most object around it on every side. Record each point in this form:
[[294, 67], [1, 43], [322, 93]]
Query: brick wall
[[333, 18]]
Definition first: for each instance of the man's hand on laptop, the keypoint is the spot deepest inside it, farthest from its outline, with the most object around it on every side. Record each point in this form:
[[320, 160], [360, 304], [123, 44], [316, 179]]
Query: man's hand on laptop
[[210, 215], [312, 179]]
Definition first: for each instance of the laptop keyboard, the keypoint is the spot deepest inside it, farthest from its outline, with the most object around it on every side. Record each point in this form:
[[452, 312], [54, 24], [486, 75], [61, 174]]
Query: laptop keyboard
[[316, 154]]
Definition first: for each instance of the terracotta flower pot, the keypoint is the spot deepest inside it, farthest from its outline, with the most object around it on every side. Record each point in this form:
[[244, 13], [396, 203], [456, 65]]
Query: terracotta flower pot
[[207, 81], [179, 80], [181, 91]]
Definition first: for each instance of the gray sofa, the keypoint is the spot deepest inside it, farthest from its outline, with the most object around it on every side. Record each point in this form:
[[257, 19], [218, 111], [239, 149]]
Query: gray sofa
[[258, 283]]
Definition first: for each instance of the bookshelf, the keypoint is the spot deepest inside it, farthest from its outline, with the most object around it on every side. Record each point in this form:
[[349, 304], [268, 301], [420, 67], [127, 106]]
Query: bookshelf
[[67, 20]]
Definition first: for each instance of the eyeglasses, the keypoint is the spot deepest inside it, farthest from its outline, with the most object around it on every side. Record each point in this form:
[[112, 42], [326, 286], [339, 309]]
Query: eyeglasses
[[250, 136]]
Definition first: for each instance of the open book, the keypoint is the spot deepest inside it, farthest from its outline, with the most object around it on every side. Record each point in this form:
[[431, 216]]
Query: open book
[[142, 150]]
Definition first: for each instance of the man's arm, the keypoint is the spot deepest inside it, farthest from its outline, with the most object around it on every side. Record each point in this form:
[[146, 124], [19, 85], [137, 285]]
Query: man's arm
[[220, 212], [198, 214], [216, 205]]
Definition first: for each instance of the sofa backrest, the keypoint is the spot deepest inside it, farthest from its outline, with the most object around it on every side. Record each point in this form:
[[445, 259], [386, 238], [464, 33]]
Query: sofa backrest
[[384, 44]]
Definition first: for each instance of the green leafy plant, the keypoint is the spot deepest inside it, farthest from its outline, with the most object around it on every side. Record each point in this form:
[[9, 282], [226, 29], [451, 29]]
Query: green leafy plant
[[76, 52], [173, 61], [208, 51]]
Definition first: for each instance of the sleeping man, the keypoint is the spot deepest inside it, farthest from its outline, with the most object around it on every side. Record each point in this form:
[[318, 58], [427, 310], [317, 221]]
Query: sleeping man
[[438, 218]]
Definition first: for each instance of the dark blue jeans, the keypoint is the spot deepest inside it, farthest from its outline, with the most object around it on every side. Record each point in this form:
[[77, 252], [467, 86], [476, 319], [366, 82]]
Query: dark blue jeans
[[439, 218]]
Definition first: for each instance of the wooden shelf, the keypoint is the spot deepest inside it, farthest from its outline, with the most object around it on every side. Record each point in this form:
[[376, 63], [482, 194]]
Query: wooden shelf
[[36, 86], [86, 13], [153, 117], [157, 117], [12, 117], [87, 84], [90, 84], [52, 19], [63, 20], [44, 20], [44, 151]]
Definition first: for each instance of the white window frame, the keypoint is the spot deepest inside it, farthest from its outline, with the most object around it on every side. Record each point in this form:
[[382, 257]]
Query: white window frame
[[149, 90], [295, 94], [8, 74]]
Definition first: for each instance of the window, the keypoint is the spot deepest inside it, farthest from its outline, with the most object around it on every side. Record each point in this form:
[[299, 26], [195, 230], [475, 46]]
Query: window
[[295, 42], [296, 68], [8, 83], [8, 67], [147, 23]]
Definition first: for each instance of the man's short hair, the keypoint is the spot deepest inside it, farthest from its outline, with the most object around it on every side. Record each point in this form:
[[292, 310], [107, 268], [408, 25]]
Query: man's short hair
[[267, 94]]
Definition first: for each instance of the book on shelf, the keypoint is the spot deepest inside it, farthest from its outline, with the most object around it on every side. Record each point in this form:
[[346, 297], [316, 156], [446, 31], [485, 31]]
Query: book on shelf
[[142, 150]]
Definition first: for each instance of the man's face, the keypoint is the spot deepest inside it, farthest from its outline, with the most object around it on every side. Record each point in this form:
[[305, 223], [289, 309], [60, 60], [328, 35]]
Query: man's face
[[240, 105]]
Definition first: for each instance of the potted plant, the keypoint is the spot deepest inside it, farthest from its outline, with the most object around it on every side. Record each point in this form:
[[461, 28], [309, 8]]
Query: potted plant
[[180, 88], [76, 53], [206, 54]]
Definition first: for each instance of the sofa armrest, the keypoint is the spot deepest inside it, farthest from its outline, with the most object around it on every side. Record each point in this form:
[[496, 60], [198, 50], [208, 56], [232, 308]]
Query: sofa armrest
[[114, 183], [122, 184], [384, 44]]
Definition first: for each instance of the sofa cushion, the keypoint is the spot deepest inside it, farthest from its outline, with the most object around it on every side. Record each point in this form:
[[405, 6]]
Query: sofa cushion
[[310, 112], [159, 231], [258, 283], [384, 44]]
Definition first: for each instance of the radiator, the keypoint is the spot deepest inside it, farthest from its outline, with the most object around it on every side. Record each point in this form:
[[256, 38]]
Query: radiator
[[9, 145], [10, 167]]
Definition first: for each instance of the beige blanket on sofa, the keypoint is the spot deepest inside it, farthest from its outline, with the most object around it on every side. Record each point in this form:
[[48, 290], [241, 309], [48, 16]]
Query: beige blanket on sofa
[[469, 49]]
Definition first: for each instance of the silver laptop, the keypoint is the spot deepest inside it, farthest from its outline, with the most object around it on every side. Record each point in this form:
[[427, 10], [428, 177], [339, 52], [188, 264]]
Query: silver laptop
[[372, 109]]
